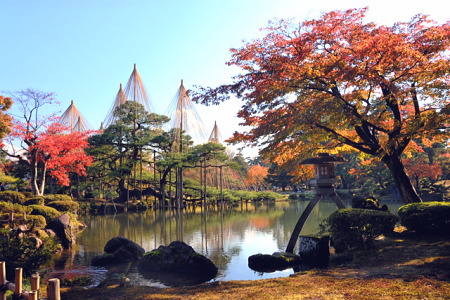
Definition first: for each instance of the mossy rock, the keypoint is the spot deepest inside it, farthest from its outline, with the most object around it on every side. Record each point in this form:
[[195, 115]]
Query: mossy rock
[[178, 257], [118, 250], [274, 262], [368, 203]]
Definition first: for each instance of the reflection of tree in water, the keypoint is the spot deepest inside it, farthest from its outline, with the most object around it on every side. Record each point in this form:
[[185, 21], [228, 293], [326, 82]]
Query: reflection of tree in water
[[218, 235]]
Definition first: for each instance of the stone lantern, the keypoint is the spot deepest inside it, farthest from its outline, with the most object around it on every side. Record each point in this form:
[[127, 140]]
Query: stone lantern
[[324, 177], [324, 181]]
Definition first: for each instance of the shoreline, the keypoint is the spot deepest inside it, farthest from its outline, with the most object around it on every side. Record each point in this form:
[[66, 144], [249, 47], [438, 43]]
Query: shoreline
[[400, 266]]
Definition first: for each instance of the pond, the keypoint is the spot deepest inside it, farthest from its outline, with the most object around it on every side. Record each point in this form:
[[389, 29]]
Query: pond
[[227, 237]]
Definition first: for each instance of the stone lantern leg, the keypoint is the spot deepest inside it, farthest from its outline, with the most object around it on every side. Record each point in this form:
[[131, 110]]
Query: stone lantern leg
[[324, 179]]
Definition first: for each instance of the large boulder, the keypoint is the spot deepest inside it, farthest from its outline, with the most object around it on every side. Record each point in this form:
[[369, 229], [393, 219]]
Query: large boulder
[[118, 250], [180, 258], [64, 229]]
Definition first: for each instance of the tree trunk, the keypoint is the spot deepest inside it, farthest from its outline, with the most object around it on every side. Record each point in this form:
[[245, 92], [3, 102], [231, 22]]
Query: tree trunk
[[123, 191], [33, 179], [405, 187], [41, 184]]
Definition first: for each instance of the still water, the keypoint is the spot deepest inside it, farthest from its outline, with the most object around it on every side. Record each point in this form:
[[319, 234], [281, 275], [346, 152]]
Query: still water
[[227, 237]]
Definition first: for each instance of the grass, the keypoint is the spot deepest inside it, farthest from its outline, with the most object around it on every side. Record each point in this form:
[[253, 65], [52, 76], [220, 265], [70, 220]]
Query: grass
[[401, 266]]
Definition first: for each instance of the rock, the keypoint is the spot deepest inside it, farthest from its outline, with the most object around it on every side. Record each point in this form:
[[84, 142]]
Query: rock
[[315, 250], [124, 247], [50, 232], [178, 257], [270, 263], [118, 250], [63, 228]]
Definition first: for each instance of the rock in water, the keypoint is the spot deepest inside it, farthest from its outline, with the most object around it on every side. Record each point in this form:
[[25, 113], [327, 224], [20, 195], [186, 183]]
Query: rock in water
[[178, 257], [270, 263], [118, 250], [63, 228]]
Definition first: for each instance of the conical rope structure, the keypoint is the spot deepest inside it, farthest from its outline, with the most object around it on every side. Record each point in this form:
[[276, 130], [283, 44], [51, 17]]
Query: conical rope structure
[[134, 91], [184, 117], [74, 120], [120, 99], [215, 137]]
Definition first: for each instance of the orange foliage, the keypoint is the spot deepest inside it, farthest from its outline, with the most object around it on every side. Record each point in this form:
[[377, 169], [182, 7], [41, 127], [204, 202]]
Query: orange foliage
[[5, 120], [421, 169], [63, 153], [339, 80], [256, 175]]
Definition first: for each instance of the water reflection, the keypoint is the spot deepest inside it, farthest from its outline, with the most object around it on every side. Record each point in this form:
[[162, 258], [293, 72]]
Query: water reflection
[[227, 237]]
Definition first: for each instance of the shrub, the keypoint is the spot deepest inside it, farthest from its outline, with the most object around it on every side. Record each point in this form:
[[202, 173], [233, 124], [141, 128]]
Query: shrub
[[293, 197], [268, 196], [56, 197], [137, 206], [33, 222], [27, 194], [36, 222], [81, 280], [229, 196], [356, 228], [426, 217], [368, 203], [23, 252], [71, 206], [38, 200], [49, 213], [244, 195], [12, 196], [7, 207]]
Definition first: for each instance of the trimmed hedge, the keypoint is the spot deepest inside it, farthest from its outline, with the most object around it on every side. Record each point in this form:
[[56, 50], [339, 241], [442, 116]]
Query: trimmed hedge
[[71, 206], [49, 213], [268, 196], [356, 228], [7, 207], [38, 200], [32, 222], [12, 196], [426, 217], [36, 221], [56, 197]]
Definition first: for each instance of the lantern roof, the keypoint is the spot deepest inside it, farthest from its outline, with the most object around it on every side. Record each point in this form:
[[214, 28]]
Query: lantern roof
[[323, 158]]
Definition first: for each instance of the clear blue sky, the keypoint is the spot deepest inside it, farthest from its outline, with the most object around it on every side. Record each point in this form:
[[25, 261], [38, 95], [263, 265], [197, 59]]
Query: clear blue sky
[[83, 49]]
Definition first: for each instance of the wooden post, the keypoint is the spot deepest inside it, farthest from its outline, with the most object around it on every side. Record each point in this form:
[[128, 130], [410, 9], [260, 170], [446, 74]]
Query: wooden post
[[18, 282], [2, 278], [35, 282], [33, 295], [53, 291], [11, 219]]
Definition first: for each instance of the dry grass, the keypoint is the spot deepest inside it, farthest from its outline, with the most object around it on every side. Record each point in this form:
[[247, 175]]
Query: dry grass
[[400, 267]]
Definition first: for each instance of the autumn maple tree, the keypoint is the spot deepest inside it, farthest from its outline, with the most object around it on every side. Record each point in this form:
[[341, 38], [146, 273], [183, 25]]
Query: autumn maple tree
[[256, 177], [5, 119], [42, 144], [339, 82]]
